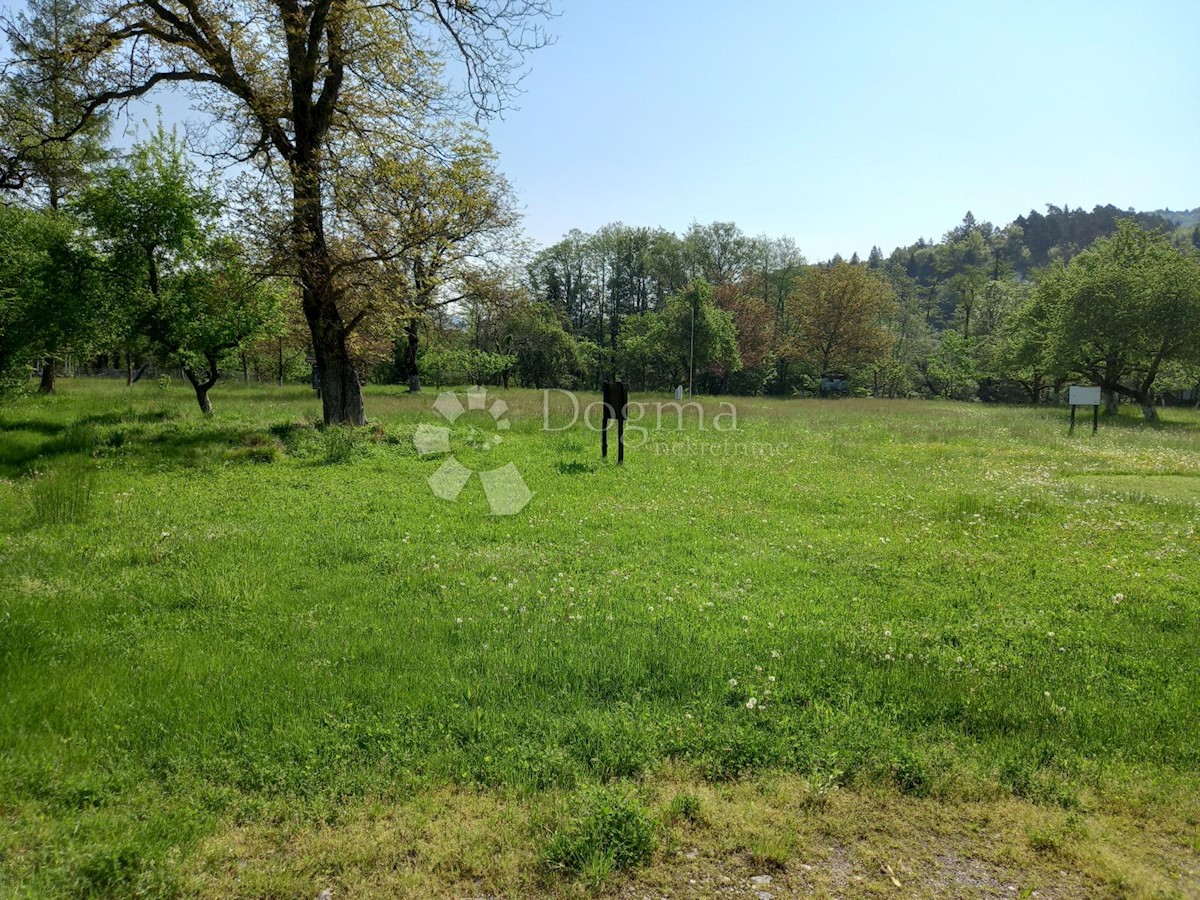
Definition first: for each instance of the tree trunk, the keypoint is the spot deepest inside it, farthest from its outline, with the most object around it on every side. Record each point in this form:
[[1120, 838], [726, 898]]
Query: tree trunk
[[1111, 403], [128, 369], [202, 387], [413, 336], [341, 391], [49, 376], [1145, 395], [245, 370], [202, 398], [281, 362], [1146, 402]]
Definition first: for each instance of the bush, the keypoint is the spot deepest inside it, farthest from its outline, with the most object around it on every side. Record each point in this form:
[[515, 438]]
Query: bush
[[611, 831]]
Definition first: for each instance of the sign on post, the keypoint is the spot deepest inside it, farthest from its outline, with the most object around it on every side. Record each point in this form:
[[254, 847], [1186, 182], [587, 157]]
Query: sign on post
[[616, 399], [1082, 395]]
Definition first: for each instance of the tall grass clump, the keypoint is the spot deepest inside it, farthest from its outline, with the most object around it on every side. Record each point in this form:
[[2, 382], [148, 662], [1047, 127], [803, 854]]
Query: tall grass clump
[[62, 497], [339, 444], [610, 831]]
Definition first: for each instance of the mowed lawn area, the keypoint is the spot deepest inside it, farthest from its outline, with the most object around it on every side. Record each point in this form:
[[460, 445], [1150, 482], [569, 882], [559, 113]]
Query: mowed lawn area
[[856, 647]]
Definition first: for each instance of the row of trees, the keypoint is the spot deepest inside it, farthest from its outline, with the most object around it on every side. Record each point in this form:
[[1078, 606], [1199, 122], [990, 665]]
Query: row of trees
[[353, 134], [370, 228], [954, 318], [130, 263]]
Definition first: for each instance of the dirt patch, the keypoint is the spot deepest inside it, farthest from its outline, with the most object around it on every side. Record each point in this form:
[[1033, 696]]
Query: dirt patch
[[766, 839]]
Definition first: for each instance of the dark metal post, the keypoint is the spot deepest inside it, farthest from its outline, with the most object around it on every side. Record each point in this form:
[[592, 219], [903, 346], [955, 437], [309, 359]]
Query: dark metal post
[[616, 403], [1072, 429], [604, 433], [1095, 418]]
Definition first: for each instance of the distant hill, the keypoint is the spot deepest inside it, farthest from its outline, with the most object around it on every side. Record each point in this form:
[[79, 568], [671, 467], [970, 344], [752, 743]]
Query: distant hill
[[1188, 218], [942, 272], [1029, 242]]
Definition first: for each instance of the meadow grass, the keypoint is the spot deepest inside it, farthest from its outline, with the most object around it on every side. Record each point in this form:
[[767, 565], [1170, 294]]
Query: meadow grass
[[250, 621]]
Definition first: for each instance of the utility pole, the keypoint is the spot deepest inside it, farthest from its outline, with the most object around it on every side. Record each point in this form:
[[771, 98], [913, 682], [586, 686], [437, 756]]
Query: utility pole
[[692, 348]]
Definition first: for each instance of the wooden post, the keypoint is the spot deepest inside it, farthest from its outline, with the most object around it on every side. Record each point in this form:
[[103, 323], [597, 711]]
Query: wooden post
[[1095, 418], [1072, 429]]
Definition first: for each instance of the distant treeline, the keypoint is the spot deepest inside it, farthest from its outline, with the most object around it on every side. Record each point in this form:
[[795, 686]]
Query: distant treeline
[[955, 318]]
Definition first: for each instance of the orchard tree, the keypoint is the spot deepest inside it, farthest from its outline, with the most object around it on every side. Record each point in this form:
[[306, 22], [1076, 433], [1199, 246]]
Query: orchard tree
[[193, 296], [1124, 308], [545, 355], [304, 88], [952, 372], [151, 217], [23, 257], [41, 94], [52, 297], [217, 306], [1024, 350]]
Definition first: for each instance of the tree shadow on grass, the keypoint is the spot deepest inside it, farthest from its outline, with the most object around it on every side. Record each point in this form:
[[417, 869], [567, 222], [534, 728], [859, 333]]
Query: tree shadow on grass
[[148, 440]]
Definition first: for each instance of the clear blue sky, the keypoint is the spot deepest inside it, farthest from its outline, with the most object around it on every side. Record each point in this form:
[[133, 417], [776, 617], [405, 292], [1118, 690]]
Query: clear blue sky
[[847, 124]]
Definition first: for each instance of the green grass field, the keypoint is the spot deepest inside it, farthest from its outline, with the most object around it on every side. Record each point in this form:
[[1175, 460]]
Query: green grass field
[[246, 656]]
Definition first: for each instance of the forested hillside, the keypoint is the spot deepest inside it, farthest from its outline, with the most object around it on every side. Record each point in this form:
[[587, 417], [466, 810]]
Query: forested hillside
[[1186, 218]]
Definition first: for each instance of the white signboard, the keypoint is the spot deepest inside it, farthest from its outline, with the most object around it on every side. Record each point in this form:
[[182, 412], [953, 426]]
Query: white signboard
[[1084, 396]]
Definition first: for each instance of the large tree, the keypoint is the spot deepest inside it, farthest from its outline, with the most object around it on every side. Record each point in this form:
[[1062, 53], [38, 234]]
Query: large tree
[[305, 87], [41, 95], [46, 149], [1124, 308], [839, 314], [426, 222]]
